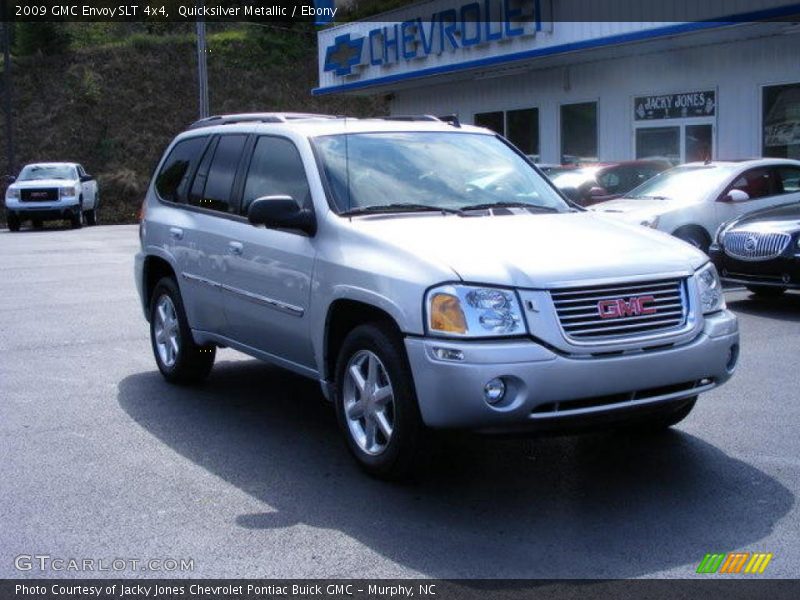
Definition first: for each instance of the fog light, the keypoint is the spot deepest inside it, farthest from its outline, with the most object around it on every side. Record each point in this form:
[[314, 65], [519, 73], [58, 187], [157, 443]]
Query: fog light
[[448, 354], [494, 390]]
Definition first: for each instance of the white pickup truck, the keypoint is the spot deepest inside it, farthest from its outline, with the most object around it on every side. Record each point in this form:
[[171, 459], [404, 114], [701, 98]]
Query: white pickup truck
[[52, 191]]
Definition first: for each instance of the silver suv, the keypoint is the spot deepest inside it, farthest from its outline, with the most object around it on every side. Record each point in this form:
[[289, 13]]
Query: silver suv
[[427, 275]]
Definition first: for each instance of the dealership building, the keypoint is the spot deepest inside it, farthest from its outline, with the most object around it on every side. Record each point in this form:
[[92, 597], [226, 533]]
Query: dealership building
[[565, 86]]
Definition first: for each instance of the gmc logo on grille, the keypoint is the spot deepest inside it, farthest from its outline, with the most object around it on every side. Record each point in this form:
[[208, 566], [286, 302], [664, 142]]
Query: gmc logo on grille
[[39, 194], [632, 307]]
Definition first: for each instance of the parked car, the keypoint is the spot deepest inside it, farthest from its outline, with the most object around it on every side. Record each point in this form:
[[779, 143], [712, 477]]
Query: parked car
[[52, 191], [590, 184], [761, 250], [427, 276], [691, 201]]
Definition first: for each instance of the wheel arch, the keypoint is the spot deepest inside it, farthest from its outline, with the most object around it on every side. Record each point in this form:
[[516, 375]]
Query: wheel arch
[[155, 268], [344, 315], [694, 229]]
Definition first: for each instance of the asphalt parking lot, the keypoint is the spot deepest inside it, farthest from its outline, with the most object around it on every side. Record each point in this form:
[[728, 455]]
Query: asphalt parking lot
[[248, 477]]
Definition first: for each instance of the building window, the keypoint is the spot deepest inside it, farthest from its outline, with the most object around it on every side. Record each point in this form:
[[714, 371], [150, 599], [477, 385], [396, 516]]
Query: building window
[[659, 142], [781, 121], [579, 132], [522, 130], [491, 120]]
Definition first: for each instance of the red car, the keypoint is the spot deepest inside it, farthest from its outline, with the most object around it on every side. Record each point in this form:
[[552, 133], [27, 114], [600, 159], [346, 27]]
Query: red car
[[590, 184]]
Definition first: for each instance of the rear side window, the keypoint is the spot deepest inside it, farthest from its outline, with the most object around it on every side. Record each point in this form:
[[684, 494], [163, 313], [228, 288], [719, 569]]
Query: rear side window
[[172, 180], [217, 194], [788, 180], [276, 169]]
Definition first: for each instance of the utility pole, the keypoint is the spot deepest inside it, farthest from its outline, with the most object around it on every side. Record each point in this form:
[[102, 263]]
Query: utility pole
[[202, 71], [7, 85]]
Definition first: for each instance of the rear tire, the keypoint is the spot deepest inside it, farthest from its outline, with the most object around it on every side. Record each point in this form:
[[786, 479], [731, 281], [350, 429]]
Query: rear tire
[[13, 222], [766, 291], [178, 357], [92, 218], [376, 403]]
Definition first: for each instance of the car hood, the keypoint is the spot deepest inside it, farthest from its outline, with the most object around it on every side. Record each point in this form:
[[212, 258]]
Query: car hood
[[533, 251], [42, 183], [633, 209], [783, 218]]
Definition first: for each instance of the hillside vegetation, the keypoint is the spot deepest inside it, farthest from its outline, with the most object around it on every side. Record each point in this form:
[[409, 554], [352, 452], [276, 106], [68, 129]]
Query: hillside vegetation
[[114, 105]]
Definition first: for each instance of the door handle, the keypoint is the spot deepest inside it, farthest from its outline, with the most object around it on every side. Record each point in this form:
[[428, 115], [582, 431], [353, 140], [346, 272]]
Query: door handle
[[176, 233], [235, 248]]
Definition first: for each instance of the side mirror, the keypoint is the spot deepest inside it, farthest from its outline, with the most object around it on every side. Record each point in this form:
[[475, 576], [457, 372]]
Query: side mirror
[[736, 196], [10, 179], [597, 191], [85, 178], [281, 212]]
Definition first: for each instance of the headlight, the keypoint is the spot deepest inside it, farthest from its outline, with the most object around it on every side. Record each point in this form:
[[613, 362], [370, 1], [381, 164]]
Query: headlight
[[467, 311], [721, 232], [651, 222], [69, 192], [710, 288], [12, 194]]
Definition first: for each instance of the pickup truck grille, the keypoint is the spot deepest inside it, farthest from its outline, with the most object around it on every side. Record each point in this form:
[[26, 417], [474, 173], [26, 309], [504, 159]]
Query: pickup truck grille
[[747, 245], [620, 310], [40, 195]]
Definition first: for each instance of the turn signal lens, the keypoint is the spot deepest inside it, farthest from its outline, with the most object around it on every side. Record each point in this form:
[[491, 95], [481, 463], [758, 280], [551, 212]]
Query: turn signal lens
[[446, 314]]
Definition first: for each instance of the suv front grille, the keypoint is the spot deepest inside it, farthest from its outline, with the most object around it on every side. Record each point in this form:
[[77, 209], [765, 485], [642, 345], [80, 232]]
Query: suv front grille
[[751, 245], [39, 195], [621, 310]]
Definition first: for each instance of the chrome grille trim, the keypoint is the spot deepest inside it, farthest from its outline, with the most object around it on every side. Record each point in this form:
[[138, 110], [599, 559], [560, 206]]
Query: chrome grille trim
[[579, 317], [754, 245]]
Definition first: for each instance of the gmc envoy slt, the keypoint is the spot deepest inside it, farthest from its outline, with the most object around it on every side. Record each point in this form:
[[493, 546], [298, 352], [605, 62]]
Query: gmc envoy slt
[[427, 275]]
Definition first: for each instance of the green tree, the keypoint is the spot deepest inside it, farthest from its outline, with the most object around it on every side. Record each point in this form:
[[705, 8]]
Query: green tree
[[44, 38]]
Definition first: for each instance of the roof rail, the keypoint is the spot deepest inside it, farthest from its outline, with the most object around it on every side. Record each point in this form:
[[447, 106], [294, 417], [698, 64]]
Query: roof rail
[[273, 117], [409, 118], [452, 119]]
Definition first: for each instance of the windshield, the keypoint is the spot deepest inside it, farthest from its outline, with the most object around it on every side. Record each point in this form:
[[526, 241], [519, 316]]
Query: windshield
[[36, 172], [682, 183], [572, 177], [429, 170]]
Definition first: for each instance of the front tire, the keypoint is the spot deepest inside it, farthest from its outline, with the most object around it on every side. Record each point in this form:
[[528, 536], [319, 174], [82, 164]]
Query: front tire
[[766, 291], [178, 357], [76, 221], [695, 236], [376, 403], [12, 221]]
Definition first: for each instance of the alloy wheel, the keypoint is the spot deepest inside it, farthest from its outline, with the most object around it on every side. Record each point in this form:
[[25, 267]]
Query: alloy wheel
[[368, 400], [167, 332]]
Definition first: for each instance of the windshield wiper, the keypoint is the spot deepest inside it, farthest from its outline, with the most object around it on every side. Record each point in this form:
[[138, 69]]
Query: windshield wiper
[[397, 207], [490, 205], [649, 197]]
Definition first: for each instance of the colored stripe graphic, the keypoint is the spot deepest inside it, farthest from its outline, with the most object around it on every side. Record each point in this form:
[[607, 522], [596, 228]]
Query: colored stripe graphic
[[734, 562], [710, 563], [758, 562]]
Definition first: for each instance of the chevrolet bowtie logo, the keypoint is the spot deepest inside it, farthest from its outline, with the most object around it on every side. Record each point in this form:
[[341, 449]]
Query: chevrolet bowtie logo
[[343, 55]]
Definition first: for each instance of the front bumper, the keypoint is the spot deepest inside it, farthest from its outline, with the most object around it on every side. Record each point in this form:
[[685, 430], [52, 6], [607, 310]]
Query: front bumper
[[138, 276], [63, 209], [781, 271], [546, 390]]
